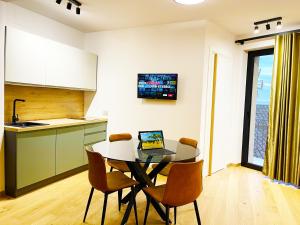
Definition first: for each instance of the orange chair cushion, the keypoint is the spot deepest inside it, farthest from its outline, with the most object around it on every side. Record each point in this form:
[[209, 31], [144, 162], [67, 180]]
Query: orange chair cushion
[[120, 137], [156, 192], [118, 165], [189, 141], [117, 180]]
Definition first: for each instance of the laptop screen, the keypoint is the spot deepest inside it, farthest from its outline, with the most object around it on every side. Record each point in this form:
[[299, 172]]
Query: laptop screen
[[151, 139]]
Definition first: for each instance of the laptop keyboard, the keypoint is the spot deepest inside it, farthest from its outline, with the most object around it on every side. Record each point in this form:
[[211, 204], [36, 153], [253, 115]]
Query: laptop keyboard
[[158, 152]]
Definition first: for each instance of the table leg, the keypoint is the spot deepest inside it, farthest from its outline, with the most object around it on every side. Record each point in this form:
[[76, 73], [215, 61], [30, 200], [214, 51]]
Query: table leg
[[144, 180], [142, 177], [127, 213]]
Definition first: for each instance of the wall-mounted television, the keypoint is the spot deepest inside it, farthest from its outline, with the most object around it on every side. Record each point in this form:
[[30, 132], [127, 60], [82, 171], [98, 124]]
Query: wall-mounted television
[[157, 86]]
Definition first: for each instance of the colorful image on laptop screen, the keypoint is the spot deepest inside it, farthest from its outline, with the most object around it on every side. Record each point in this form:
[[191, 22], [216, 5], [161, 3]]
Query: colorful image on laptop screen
[[151, 140]]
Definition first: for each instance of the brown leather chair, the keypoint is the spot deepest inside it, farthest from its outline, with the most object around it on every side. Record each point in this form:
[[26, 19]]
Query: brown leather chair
[[106, 182], [184, 185], [186, 141], [116, 164], [165, 171]]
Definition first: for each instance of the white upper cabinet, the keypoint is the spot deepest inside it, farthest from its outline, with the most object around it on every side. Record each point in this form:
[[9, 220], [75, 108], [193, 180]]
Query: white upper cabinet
[[34, 60], [71, 68], [24, 58]]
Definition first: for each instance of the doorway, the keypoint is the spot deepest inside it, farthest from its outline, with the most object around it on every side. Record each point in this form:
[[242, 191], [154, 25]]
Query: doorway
[[220, 113], [257, 101]]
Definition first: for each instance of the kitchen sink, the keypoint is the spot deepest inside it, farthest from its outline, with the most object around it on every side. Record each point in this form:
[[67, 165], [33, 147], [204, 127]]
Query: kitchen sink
[[26, 124]]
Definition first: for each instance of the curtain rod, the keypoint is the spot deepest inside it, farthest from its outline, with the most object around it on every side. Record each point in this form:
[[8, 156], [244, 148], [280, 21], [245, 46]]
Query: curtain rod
[[242, 41]]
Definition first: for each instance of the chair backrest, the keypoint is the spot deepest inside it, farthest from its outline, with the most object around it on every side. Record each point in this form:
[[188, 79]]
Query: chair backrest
[[120, 137], [188, 141], [191, 142], [184, 183], [97, 170]]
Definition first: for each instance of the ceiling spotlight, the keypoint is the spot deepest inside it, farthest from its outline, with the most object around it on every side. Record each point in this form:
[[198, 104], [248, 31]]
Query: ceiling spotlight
[[72, 3], [69, 5], [189, 2], [268, 27], [78, 11], [279, 25], [256, 30]]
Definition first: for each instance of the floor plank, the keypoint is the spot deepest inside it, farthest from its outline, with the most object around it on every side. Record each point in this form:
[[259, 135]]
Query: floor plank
[[234, 196]]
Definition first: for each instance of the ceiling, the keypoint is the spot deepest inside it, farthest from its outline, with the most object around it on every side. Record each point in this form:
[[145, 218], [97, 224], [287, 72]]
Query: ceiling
[[237, 16]]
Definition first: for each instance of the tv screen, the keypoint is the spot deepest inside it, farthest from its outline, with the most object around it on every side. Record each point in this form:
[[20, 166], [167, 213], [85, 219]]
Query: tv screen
[[157, 86]]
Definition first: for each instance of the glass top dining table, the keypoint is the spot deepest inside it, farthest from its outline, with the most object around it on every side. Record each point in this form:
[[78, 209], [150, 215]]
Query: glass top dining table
[[138, 162], [128, 151]]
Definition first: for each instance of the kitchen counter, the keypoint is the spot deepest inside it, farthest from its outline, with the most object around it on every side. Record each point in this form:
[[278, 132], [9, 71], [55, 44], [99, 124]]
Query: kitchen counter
[[56, 123], [40, 155]]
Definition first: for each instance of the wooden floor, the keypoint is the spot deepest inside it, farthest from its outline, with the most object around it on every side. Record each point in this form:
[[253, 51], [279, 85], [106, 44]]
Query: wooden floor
[[234, 196]]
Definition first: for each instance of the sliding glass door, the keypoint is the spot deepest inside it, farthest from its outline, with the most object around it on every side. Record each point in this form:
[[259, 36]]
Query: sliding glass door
[[257, 101]]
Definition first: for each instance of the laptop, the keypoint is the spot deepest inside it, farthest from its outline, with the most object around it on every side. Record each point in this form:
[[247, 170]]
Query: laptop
[[152, 143]]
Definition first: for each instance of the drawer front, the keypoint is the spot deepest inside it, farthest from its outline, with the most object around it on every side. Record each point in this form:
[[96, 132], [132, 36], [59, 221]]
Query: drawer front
[[94, 138], [94, 128]]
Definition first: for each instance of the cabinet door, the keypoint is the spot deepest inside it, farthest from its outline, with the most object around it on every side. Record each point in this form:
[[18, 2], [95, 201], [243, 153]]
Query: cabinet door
[[69, 145], [35, 156], [70, 67], [85, 158], [24, 57], [88, 74]]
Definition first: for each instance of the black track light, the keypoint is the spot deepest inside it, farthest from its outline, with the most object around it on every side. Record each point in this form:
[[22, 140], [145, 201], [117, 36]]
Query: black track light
[[268, 23], [69, 6], [70, 3], [279, 25], [78, 11]]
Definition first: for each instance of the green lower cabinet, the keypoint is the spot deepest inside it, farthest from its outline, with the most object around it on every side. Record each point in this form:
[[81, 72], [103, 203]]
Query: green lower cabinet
[[85, 158], [95, 128], [90, 139], [69, 145], [35, 156]]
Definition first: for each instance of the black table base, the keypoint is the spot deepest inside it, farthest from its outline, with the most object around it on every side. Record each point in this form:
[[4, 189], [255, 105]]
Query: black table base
[[139, 173]]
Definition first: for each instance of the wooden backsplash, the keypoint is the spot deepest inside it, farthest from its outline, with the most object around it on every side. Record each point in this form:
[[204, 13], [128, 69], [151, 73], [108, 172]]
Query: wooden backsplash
[[43, 103]]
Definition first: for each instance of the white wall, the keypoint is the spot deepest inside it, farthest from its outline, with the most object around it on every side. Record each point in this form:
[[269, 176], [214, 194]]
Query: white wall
[[218, 40], [183, 48], [221, 42], [173, 48], [31, 22], [12, 15]]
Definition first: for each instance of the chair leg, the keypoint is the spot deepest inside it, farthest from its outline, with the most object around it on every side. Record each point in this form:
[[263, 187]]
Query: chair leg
[[147, 209], [120, 198], [175, 214], [134, 205], [111, 169], [197, 212], [154, 181], [167, 214], [88, 203], [104, 208]]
